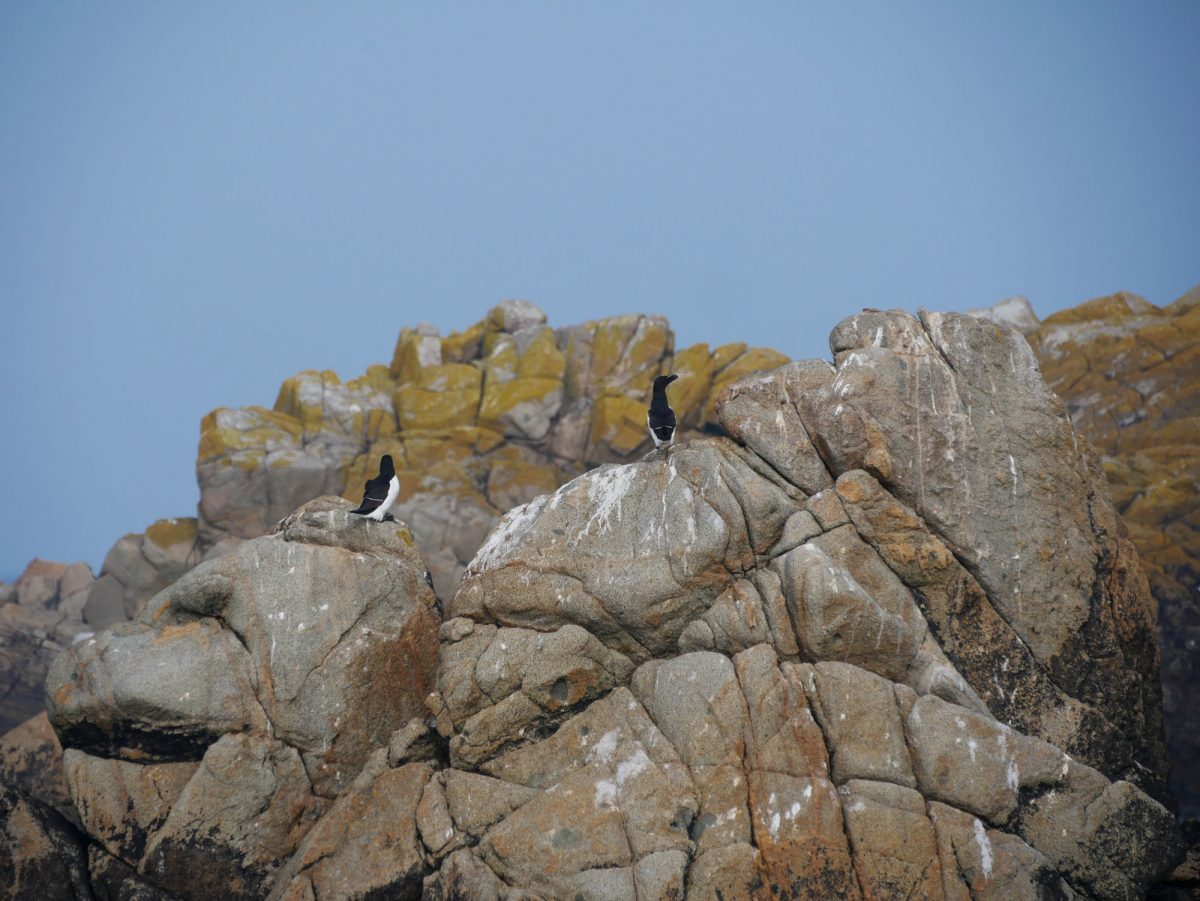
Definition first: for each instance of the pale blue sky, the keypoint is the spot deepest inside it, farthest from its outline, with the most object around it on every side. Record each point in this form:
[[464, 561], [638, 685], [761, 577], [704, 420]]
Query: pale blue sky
[[198, 200]]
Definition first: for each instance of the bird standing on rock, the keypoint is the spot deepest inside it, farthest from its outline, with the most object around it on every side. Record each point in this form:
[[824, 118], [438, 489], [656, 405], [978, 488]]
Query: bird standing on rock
[[660, 417], [381, 493]]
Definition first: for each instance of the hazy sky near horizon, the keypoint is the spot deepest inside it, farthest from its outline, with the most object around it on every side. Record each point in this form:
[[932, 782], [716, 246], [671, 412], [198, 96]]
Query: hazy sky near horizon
[[198, 200]]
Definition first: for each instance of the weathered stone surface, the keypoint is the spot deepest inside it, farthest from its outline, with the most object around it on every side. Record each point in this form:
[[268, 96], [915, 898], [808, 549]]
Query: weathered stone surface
[[478, 422], [41, 856], [858, 712], [152, 694], [950, 414], [122, 804], [251, 690], [603, 551], [41, 618], [521, 680], [895, 852], [366, 845], [612, 793], [1129, 373], [1014, 312], [978, 862], [138, 567], [237, 820], [784, 664], [970, 631], [344, 602], [31, 763], [115, 880]]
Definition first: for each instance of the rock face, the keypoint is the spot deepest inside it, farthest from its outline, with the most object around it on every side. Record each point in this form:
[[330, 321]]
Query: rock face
[[40, 615], [205, 738], [1130, 374], [840, 654], [478, 422], [139, 566], [885, 637]]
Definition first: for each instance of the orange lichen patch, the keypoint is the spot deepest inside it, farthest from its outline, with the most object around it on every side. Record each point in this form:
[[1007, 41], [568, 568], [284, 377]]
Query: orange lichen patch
[[290, 399], [169, 532], [172, 632]]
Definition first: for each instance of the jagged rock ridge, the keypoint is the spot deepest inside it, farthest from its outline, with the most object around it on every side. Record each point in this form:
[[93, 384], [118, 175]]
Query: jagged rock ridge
[[886, 639]]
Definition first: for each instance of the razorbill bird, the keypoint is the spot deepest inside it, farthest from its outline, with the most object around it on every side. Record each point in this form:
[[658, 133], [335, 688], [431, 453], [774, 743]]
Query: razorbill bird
[[660, 418], [381, 492]]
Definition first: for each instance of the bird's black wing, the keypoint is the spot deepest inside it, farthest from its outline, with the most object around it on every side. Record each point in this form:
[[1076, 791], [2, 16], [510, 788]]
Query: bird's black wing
[[661, 422], [374, 494]]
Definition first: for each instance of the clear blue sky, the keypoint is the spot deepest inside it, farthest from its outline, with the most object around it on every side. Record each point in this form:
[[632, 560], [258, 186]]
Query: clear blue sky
[[198, 200]]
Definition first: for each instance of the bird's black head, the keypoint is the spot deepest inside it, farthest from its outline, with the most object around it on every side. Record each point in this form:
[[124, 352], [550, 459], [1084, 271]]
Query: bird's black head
[[386, 467], [661, 382]]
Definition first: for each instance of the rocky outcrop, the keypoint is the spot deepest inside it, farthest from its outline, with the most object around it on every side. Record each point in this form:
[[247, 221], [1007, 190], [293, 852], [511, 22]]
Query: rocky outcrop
[[886, 639], [40, 615], [139, 566], [478, 422], [205, 738], [1130, 374], [31, 764]]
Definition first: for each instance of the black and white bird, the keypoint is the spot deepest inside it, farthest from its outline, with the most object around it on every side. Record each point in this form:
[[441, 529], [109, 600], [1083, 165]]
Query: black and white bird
[[381, 493], [660, 418]]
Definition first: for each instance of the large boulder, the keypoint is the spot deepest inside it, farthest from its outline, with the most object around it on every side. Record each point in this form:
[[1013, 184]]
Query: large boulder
[[210, 734], [826, 643]]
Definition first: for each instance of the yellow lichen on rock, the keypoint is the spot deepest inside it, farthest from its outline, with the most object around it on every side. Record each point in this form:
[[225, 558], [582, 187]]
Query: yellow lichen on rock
[[542, 359], [170, 532], [445, 396], [618, 427], [695, 367], [415, 349], [300, 396], [225, 431], [513, 480], [505, 405], [460, 347]]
